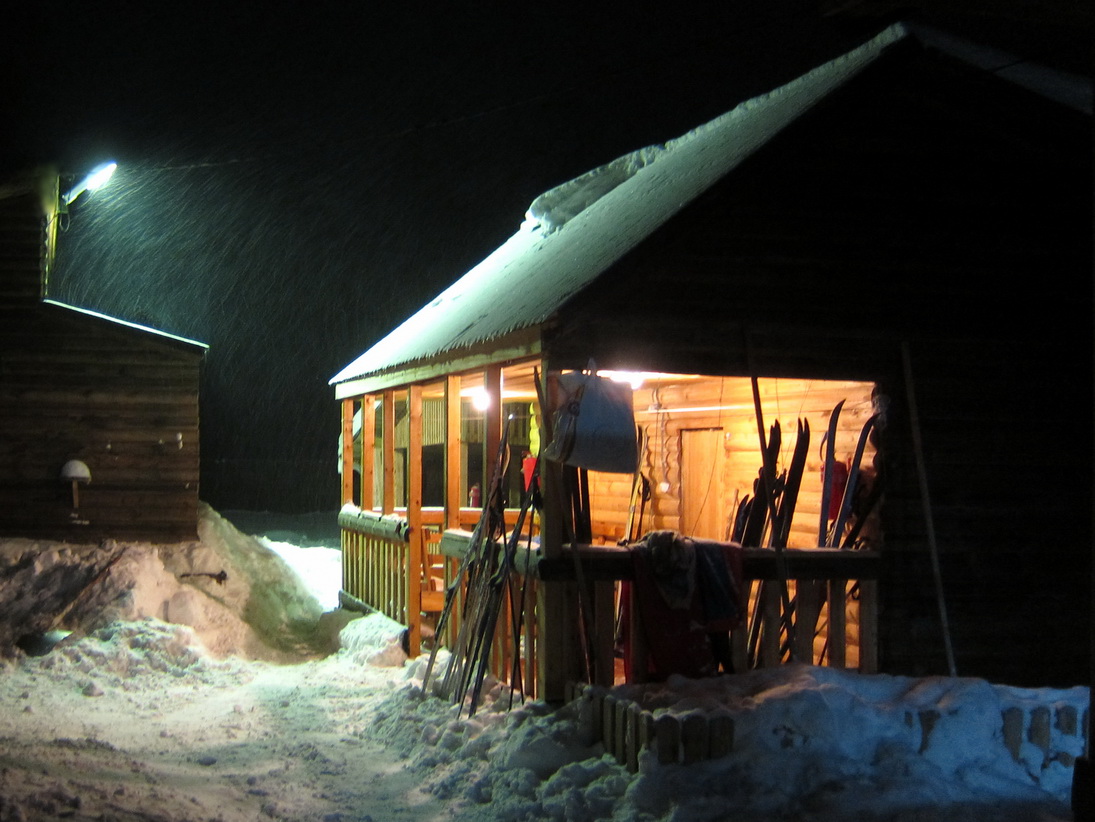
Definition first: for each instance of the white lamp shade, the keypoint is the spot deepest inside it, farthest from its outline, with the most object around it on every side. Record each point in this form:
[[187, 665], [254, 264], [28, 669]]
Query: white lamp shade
[[76, 471]]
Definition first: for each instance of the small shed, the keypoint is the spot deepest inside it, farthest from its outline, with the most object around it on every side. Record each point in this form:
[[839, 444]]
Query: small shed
[[902, 230], [98, 417]]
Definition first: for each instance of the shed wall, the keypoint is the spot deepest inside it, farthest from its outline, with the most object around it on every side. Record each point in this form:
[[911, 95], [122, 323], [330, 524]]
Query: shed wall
[[74, 386], [117, 399]]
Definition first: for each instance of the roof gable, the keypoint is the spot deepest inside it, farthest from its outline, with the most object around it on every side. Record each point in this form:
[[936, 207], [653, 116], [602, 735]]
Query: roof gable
[[577, 231], [542, 265]]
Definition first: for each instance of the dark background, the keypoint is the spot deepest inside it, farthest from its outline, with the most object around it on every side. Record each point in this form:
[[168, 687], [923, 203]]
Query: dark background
[[295, 179]]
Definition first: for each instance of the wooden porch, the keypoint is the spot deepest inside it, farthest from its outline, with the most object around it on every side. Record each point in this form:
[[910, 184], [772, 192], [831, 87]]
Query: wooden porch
[[414, 456]]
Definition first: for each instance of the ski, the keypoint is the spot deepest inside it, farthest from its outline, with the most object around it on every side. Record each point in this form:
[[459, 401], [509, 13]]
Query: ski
[[850, 486], [499, 585], [789, 496], [761, 505], [827, 475], [471, 563]]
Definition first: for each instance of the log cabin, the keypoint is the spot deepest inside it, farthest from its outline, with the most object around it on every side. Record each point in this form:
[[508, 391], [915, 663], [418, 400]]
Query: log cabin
[[903, 233], [98, 416]]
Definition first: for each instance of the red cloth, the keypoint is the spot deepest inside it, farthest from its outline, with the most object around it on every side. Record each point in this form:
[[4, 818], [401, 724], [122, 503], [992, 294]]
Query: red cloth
[[677, 639]]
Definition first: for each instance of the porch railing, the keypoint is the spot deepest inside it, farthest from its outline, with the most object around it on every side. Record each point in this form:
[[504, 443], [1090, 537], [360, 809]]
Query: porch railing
[[833, 592], [834, 596], [375, 561], [377, 574]]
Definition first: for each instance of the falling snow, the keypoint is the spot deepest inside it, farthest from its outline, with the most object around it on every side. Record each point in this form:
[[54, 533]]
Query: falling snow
[[289, 193]]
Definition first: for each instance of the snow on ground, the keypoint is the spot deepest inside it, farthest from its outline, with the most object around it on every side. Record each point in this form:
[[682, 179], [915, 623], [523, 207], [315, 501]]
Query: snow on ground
[[181, 698]]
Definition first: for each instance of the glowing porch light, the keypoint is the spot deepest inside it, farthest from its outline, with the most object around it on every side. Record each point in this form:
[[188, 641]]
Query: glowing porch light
[[633, 378], [96, 179], [480, 399]]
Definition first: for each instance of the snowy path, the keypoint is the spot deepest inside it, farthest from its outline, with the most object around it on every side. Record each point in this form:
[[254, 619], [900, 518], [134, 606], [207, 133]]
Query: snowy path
[[230, 741]]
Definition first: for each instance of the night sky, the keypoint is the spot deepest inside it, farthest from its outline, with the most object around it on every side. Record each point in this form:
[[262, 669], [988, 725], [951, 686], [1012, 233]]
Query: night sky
[[296, 179]]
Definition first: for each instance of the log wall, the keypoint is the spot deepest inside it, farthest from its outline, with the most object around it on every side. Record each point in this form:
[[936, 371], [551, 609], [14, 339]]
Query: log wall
[[122, 400], [725, 405], [26, 240]]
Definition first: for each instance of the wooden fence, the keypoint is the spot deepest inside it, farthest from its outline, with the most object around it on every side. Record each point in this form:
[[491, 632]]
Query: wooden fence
[[1037, 736]]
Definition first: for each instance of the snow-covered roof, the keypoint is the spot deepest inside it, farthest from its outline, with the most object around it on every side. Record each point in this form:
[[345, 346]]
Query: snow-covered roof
[[577, 230], [574, 232]]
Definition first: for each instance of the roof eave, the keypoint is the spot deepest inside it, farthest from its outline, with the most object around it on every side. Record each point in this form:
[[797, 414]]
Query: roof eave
[[523, 344]]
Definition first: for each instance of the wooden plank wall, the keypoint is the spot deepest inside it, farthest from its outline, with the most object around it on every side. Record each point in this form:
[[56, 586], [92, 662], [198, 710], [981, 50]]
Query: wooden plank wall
[[1008, 476], [726, 406], [122, 400], [25, 244]]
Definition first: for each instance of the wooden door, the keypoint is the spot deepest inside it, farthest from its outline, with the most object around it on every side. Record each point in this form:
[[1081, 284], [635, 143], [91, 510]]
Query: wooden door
[[703, 510]]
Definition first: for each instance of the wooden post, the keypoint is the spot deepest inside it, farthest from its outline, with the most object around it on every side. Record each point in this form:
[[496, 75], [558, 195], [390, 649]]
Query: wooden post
[[694, 738], [532, 642], [632, 736], [368, 450], [807, 609], [347, 563], [604, 630], [608, 724], [640, 661], [387, 504], [868, 626], [926, 505], [454, 496], [667, 729], [720, 736], [347, 451], [769, 637], [739, 637], [557, 607], [838, 622], [416, 549], [619, 727], [647, 736], [596, 712]]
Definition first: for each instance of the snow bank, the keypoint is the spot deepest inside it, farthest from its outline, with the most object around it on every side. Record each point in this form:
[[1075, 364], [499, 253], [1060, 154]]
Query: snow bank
[[236, 594], [319, 568], [374, 640], [809, 743], [119, 654]]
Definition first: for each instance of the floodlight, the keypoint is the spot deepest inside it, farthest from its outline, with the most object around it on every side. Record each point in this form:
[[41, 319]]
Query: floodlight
[[96, 179]]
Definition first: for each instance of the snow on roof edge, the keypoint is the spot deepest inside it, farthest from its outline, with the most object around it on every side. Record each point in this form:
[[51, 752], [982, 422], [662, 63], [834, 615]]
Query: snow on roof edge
[[126, 323], [541, 244]]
